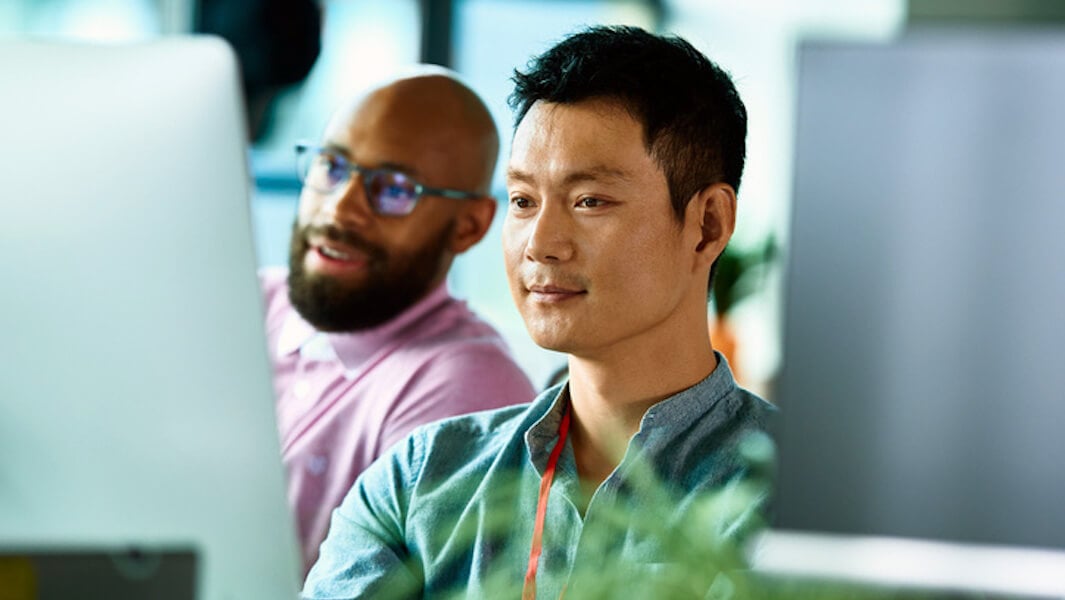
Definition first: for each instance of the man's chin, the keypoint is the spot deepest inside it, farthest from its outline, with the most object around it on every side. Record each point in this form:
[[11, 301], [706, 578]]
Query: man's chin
[[555, 341], [342, 283], [329, 303]]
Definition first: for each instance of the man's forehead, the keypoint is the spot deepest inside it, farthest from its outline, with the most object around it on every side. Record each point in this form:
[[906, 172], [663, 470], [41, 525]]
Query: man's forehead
[[408, 110], [590, 122], [569, 172], [588, 140], [383, 119], [426, 93], [347, 115]]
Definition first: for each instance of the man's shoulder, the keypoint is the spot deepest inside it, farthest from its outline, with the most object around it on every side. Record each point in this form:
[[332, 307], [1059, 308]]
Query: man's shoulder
[[739, 439], [273, 277], [452, 322], [719, 405], [732, 428], [458, 443], [274, 283], [754, 411], [461, 348], [470, 356], [479, 427]]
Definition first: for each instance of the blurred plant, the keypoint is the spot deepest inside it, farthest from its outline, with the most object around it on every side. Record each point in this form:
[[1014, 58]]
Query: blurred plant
[[741, 273], [696, 540]]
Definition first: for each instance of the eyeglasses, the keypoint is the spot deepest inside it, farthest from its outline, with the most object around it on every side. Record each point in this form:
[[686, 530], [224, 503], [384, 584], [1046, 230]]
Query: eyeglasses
[[389, 192]]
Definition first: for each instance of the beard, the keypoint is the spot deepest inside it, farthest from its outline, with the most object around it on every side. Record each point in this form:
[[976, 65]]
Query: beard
[[394, 282]]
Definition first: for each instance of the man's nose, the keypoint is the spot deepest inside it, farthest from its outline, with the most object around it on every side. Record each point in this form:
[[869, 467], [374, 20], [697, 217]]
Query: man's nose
[[551, 236], [348, 205]]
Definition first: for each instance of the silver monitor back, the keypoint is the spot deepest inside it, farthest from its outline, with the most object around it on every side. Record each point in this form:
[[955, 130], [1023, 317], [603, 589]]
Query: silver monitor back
[[922, 392], [135, 401]]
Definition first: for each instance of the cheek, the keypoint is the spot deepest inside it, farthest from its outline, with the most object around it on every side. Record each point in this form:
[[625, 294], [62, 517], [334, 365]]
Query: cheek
[[420, 236], [513, 249], [402, 239], [308, 207], [647, 271]]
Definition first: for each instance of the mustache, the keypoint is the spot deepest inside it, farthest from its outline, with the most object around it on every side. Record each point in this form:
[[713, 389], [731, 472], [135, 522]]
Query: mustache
[[542, 277], [344, 236]]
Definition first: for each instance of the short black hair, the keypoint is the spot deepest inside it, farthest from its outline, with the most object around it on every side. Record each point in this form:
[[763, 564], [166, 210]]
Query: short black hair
[[695, 125]]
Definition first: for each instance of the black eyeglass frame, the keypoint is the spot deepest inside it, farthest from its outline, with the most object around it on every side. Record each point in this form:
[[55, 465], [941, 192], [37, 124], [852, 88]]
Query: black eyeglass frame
[[304, 148]]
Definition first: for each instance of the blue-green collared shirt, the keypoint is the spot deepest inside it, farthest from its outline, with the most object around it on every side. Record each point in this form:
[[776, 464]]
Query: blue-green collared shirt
[[450, 511]]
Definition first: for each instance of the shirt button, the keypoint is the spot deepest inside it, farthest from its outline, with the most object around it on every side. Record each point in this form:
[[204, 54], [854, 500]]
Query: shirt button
[[317, 464]]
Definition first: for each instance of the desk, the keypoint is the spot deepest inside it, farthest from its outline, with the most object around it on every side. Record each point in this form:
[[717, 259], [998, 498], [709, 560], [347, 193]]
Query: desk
[[924, 567]]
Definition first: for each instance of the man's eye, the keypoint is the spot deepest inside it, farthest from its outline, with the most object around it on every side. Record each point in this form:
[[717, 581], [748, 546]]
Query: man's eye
[[520, 202], [590, 202], [398, 191], [336, 167]]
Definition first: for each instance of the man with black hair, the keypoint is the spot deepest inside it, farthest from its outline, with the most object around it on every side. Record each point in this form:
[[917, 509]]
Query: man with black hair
[[639, 476]]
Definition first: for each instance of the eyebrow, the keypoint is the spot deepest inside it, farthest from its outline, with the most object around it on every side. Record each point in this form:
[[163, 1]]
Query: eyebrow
[[595, 173], [337, 148], [402, 168]]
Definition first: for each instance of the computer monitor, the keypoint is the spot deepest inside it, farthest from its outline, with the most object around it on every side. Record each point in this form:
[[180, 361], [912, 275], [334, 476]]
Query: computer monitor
[[922, 392], [136, 409]]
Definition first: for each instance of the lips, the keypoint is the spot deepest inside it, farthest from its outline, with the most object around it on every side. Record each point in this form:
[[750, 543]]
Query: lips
[[553, 293], [334, 253], [327, 256], [554, 289], [337, 251]]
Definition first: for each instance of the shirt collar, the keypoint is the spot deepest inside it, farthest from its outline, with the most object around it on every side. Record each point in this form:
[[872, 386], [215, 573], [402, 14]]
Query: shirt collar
[[663, 419], [684, 407], [352, 349], [541, 435]]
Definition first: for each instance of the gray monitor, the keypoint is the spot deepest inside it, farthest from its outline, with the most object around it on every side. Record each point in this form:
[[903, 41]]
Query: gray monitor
[[136, 409], [923, 387]]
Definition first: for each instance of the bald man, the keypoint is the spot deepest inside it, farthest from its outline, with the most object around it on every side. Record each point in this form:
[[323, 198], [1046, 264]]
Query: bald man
[[366, 341]]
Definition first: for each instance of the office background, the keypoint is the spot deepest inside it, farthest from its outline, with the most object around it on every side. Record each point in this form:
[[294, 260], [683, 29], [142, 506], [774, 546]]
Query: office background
[[484, 40], [363, 40]]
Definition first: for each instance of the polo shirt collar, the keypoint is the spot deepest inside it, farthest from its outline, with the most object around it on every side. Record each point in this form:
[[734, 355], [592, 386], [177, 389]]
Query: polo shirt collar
[[353, 349]]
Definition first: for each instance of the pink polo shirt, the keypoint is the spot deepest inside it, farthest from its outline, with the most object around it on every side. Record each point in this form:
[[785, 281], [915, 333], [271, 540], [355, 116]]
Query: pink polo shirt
[[342, 399]]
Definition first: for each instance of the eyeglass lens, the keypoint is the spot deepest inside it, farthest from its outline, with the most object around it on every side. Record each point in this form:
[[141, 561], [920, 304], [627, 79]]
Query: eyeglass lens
[[390, 192]]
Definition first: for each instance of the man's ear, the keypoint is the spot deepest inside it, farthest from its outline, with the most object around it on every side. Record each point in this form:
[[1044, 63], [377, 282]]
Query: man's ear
[[472, 222], [715, 210]]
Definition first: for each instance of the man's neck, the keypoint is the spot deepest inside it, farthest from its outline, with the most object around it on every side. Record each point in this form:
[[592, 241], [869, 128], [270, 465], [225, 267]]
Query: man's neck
[[611, 393]]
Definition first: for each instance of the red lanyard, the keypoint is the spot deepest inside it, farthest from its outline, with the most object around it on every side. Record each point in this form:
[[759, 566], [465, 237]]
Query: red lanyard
[[528, 591]]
